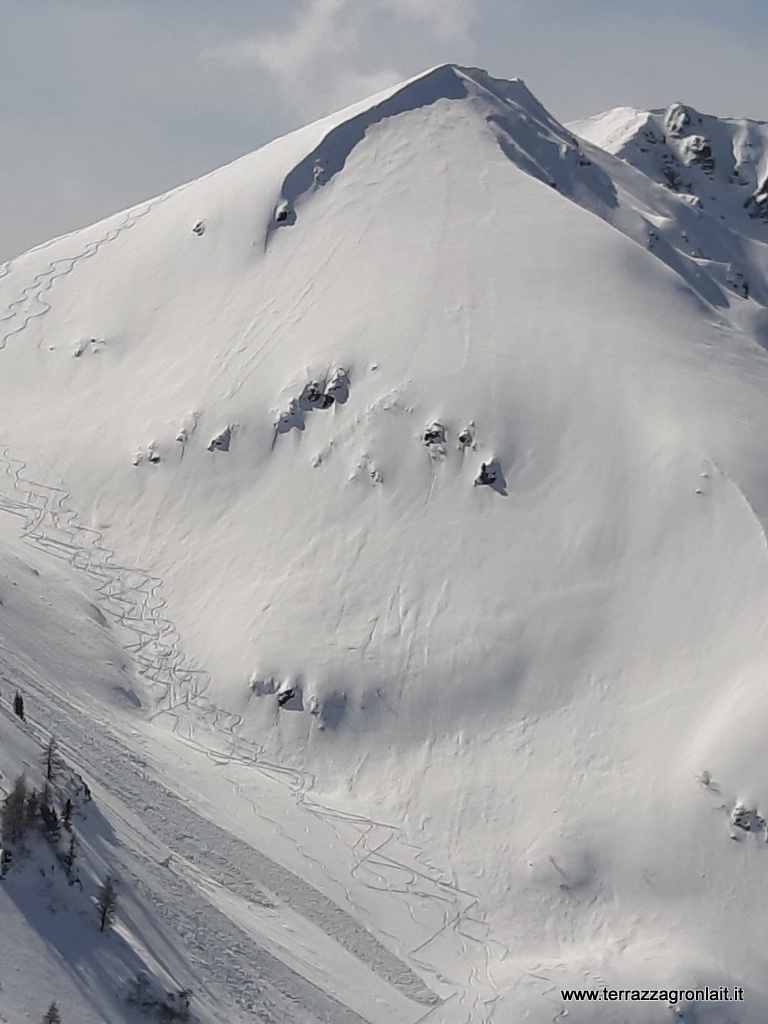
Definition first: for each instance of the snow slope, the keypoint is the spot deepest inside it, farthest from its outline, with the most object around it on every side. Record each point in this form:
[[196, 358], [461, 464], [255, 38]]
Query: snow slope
[[511, 732]]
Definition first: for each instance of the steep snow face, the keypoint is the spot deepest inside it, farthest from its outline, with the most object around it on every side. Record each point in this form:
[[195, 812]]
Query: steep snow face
[[427, 445]]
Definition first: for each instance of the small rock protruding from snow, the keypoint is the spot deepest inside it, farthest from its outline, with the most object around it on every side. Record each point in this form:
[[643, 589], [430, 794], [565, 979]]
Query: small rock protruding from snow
[[466, 438], [487, 475], [365, 467], [82, 346], [338, 385], [187, 427], [284, 213], [314, 396], [221, 442], [491, 475], [150, 454], [320, 393], [199, 228], [434, 435], [289, 696], [291, 418], [748, 820], [738, 282]]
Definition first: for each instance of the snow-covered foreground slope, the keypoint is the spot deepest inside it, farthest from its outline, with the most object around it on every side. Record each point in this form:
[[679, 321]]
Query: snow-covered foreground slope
[[415, 465]]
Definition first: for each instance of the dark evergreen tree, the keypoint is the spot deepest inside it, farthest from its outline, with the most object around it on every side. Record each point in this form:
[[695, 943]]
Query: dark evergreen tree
[[69, 856], [50, 821], [14, 816], [33, 808], [18, 705], [52, 1015], [106, 900], [51, 760]]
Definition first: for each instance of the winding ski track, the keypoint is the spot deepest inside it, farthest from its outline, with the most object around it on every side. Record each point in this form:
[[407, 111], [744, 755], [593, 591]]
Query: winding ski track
[[132, 598], [43, 282]]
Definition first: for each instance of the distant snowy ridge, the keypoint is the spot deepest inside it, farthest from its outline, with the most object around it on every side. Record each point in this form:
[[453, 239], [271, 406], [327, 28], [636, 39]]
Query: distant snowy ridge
[[691, 153]]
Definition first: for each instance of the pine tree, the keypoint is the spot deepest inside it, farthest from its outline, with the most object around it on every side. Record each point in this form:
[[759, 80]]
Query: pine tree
[[50, 821], [48, 813], [32, 809], [69, 856], [18, 705], [105, 901], [14, 816], [52, 1015], [51, 759]]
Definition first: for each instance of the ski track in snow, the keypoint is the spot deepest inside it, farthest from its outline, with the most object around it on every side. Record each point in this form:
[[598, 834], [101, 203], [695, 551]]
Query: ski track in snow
[[44, 281], [131, 598]]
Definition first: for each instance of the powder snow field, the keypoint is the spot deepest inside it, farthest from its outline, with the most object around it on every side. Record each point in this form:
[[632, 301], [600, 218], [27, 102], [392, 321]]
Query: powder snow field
[[387, 516]]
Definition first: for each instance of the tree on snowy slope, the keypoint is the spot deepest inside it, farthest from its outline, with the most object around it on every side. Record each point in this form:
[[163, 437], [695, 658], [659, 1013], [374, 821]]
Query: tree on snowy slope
[[51, 760], [106, 900], [69, 856], [52, 1015], [14, 814]]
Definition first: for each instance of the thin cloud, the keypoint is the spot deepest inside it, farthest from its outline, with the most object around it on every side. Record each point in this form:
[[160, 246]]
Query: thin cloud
[[336, 51]]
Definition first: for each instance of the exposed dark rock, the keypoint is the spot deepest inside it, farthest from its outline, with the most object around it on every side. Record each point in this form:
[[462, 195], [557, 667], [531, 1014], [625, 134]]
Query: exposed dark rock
[[696, 150], [487, 475], [338, 385], [221, 442], [284, 213], [747, 819], [289, 698], [671, 174], [291, 419], [434, 435], [491, 475], [314, 396]]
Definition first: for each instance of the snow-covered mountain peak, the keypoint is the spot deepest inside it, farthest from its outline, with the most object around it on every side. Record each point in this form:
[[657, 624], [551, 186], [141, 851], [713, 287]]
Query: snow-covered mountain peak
[[410, 470], [525, 131]]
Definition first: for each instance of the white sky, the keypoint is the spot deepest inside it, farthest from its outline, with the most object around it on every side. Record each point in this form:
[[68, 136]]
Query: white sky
[[104, 104]]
